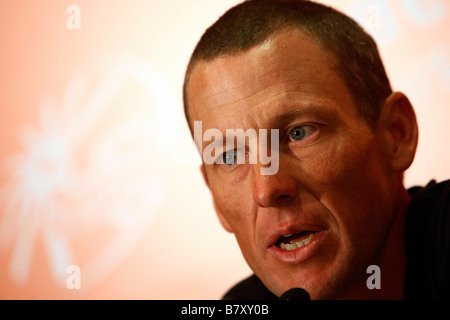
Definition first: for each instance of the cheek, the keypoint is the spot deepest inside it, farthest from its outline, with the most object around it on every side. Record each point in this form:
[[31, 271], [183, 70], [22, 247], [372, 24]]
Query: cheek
[[352, 181], [233, 203], [348, 166], [237, 208]]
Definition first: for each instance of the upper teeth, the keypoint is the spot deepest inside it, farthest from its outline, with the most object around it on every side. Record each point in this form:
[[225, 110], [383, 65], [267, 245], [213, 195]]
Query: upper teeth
[[299, 244]]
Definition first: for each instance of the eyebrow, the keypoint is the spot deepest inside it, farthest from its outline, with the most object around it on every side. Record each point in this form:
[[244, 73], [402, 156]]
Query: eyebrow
[[293, 112], [215, 143], [296, 111]]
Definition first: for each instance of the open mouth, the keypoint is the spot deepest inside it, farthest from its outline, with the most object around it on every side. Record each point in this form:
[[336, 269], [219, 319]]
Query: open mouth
[[295, 241]]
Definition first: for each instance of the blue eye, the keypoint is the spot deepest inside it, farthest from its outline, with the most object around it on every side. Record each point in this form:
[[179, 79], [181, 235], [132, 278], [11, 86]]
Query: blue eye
[[229, 158], [298, 133], [301, 132]]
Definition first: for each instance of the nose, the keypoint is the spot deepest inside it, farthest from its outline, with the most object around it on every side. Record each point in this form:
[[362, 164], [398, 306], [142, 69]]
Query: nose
[[273, 190]]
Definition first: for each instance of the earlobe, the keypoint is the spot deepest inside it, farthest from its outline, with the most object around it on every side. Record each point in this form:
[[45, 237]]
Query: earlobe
[[399, 120]]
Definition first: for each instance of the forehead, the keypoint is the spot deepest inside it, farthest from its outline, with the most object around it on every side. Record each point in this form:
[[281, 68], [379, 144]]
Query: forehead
[[288, 64]]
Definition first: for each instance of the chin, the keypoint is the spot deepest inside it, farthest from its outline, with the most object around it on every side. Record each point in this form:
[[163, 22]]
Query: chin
[[319, 283]]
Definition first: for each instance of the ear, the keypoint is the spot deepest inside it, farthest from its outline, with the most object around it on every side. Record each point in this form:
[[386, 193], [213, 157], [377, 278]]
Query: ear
[[222, 220], [399, 122]]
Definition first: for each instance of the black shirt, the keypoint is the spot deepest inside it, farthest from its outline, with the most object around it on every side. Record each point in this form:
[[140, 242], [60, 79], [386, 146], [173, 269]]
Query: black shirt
[[427, 249]]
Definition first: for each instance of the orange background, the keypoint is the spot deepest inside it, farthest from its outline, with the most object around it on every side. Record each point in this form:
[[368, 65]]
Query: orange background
[[96, 165]]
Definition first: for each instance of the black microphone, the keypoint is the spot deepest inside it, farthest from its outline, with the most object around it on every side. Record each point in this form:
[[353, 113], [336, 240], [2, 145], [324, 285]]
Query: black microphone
[[295, 294]]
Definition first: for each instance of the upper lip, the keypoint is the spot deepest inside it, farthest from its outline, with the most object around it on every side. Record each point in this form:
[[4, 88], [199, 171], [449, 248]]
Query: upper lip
[[290, 230]]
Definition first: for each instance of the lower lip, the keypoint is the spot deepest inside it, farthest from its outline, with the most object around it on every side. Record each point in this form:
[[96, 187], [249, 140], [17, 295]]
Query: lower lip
[[300, 254]]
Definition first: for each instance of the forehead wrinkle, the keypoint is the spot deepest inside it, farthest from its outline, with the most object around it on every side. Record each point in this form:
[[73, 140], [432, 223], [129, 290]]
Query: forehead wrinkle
[[284, 90], [230, 91], [260, 77]]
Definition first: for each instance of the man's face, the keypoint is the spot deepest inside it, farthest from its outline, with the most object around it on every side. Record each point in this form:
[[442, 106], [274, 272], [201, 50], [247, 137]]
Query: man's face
[[318, 223]]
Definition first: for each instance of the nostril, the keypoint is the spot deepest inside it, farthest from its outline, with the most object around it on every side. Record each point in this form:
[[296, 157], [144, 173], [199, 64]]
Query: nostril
[[284, 198]]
